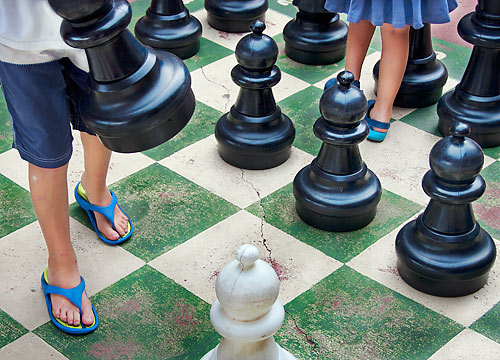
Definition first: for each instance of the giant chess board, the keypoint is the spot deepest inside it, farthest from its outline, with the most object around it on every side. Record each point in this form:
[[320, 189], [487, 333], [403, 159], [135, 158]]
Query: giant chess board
[[342, 293]]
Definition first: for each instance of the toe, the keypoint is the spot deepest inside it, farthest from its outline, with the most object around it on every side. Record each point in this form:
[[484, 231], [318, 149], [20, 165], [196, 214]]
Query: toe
[[70, 317], [87, 313], [64, 316]]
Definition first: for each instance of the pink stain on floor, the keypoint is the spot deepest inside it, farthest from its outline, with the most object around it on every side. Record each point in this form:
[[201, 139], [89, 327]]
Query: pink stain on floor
[[214, 275], [185, 315], [130, 306], [280, 270], [113, 350], [390, 270], [490, 215]]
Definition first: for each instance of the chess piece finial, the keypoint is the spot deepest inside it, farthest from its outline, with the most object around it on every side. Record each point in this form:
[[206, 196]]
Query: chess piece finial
[[247, 311], [337, 192], [444, 251], [255, 134]]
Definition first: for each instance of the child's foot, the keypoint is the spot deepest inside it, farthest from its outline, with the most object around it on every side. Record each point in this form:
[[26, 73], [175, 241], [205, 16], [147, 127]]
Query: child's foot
[[378, 128], [62, 308], [103, 198]]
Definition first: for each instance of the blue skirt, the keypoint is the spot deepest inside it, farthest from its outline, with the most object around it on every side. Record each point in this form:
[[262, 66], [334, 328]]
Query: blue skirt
[[398, 13]]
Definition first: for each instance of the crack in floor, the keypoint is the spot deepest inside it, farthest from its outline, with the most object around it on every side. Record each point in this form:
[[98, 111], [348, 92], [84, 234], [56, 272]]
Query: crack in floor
[[262, 218], [309, 338], [227, 95]]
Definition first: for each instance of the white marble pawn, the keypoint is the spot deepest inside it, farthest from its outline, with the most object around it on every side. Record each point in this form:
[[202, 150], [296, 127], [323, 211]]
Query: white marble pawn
[[247, 311]]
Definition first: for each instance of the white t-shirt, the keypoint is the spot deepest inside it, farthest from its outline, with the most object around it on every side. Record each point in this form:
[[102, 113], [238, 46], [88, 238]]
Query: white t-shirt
[[29, 34]]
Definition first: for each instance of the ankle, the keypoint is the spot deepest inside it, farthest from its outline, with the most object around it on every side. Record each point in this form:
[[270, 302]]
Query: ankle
[[377, 114], [97, 192]]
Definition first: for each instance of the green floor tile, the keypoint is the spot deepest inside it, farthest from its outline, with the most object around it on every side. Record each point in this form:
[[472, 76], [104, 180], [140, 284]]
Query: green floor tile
[[489, 324], [16, 209], [303, 109], [194, 5], [143, 316], [349, 316], [5, 126], [201, 125], [310, 73], [457, 57], [10, 329], [494, 152], [208, 53], [425, 119], [487, 208], [279, 209], [166, 210]]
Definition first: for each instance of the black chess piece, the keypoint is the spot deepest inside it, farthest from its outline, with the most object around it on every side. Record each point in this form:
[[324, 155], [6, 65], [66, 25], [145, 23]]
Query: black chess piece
[[168, 26], [337, 192], [136, 100], [255, 134], [235, 16], [424, 76], [476, 100], [445, 252], [317, 36]]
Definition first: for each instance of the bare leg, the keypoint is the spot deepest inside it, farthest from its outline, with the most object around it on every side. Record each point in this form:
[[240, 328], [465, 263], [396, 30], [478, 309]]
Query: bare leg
[[49, 193], [97, 159], [359, 37], [395, 43]]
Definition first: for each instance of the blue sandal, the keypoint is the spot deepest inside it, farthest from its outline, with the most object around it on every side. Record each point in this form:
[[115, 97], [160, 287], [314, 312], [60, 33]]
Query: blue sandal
[[107, 211], [375, 135], [74, 295]]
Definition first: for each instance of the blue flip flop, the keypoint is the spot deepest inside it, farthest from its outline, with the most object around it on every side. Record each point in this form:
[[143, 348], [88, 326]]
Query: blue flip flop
[[375, 135], [74, 295], [107, 211]]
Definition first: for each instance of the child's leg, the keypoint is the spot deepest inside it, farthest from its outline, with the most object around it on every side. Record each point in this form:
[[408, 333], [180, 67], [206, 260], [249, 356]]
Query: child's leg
[[97, 159], [359, 37], [49, 193], [395, 43]]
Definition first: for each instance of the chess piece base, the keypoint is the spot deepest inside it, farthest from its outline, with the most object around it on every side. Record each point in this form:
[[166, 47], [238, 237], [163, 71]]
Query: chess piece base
[[444, 265], [316, 43], [167, 111], [178, 34], [282, 355], [336, 202], [254, 143], [481, 113], [422, 83], [234, 16]]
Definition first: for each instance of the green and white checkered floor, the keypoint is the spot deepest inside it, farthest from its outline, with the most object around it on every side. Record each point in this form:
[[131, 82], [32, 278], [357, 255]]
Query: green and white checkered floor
[[342, 293]]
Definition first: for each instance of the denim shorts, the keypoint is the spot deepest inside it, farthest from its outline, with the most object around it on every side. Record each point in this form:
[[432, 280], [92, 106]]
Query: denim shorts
[[42, 100]]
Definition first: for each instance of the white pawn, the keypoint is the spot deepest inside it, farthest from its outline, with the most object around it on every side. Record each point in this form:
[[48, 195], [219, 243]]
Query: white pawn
[[247, 311]]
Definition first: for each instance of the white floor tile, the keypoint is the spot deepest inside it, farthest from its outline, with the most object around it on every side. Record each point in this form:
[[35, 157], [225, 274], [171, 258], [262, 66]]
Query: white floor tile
[[468, 345], [23, 258], [29, 347], [202, 164], [196, 263]]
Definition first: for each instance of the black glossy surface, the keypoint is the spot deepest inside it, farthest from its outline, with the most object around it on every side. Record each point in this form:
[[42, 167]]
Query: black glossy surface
[[445, 252], [337, 192], [168, 26], [255, 134], [316, 36], [424, 76], [136, 100], [235, 16], [476, 100]]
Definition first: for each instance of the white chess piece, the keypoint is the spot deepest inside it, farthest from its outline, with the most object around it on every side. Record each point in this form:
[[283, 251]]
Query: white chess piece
[[247, 311]]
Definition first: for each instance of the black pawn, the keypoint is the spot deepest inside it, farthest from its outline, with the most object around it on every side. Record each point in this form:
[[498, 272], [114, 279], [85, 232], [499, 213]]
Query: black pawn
[[424, 76], [337, 192], [316, 36], [255, 134], [476, 100], [235, 16], [168, 26], [135, 100], [445, 252]]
